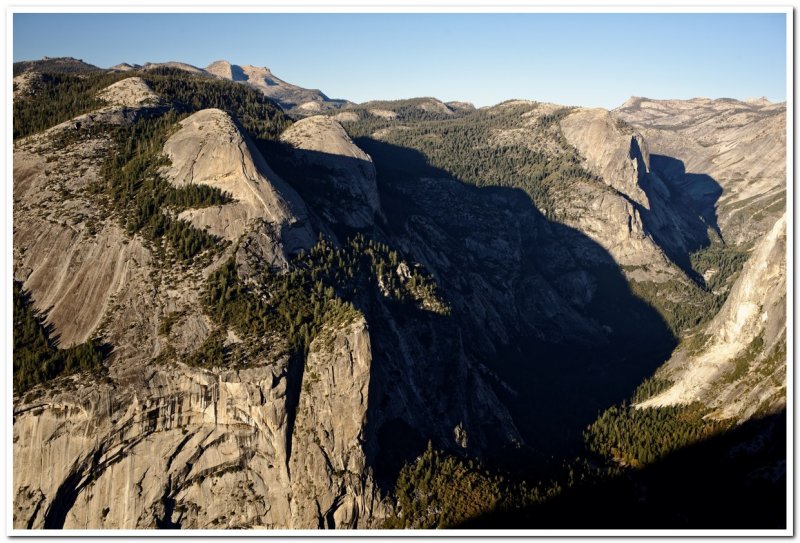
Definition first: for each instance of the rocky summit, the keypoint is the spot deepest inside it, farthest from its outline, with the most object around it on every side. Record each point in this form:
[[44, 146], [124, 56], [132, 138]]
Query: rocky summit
[[241, 304]]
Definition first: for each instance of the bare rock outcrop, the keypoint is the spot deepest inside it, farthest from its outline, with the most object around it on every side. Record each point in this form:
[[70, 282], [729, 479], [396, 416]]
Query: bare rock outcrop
[[123, 456], [130, 92], [636, 221], [203, 448], [332, 485], [210, 149], [25, 83], [618, 157], [739, 368], [346, 117], [728, 156], [350, 182], [67, 252], [226, 70], [383, 114]]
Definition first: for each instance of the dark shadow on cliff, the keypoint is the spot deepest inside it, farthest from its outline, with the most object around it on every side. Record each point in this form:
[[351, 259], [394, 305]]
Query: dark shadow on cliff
[[735, 480], [702, 190], [682, 210], [696, 195], [321, 180], [558, 378], [543, 313]]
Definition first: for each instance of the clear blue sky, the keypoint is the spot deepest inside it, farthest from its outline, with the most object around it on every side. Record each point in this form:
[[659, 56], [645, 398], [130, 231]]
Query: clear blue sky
[[575, 59]]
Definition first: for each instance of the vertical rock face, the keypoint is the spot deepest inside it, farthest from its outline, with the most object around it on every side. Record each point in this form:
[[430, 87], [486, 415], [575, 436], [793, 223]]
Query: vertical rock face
[[331, 484], [346, 181], [618, 157], [185, 449], [728, 156], [640, 222], [740, 368], [201, 449]]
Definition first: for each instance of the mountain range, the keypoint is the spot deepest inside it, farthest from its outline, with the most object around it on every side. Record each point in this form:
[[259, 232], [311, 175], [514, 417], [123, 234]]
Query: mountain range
[[239, 303]]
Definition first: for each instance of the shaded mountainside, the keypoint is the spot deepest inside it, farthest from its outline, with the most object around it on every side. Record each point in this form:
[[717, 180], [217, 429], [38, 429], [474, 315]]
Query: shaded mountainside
[[300, 322], [612, 194]]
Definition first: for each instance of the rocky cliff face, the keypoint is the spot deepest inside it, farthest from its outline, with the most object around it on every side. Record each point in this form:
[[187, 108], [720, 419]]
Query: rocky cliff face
[[728, 159], [331, 485], [66, 250], [159, 443], [736, 364], [488, 328], [621, 160], [654, 224], [728, 156], [189, 448]]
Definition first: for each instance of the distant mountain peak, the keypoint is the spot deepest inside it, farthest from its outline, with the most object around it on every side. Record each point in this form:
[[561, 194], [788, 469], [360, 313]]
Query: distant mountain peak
[[763, 101], [226, 65], [124, 67], [226, 70], [54, 64], [290, 97], [633, 101], [174, 65]]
